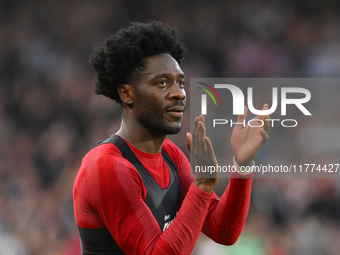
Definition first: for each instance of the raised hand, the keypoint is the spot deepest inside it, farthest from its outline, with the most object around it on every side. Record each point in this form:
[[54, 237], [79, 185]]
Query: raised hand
[[247, 141], [202, 155]]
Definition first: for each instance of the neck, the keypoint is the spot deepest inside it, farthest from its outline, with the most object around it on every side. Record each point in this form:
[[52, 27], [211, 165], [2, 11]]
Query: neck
[[139, 137]]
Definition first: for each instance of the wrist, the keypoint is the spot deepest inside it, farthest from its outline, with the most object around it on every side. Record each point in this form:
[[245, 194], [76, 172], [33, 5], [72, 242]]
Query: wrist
[[244, 169], [205, 185], [250, 162]]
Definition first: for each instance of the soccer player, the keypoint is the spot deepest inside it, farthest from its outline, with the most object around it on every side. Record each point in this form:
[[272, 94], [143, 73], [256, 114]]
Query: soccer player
[[134, 192]]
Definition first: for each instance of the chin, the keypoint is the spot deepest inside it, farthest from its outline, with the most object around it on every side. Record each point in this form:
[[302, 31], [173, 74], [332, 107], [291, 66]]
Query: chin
[[174, 129]]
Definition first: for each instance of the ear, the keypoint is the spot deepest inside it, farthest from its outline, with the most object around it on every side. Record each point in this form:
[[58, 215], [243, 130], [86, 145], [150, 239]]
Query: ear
[[126, 93]]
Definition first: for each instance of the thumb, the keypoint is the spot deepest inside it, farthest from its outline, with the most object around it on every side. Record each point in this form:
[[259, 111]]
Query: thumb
[[188, 140], [241, 119]]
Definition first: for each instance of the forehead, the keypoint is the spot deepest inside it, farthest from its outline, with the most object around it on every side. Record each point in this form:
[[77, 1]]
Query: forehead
[[162, 63]]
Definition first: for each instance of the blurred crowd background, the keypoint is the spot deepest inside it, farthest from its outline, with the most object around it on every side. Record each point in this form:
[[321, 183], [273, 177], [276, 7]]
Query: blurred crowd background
[[50, 116]]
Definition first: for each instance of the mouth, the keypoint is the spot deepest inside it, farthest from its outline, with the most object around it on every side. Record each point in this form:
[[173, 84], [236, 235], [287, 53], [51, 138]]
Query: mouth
[[176, 111]]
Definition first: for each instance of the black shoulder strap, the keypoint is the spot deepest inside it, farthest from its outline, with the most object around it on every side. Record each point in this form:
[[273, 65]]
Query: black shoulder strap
[[125, 149]]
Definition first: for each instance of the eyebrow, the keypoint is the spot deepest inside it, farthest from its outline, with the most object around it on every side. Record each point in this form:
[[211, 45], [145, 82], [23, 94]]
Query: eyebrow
[[164, 75]]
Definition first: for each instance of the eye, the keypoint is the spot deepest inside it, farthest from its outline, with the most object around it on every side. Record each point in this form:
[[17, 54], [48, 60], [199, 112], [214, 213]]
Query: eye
[[181, 83], [162, 82]]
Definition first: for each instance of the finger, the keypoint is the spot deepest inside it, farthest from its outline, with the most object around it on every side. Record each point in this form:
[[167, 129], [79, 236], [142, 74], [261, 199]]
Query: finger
[[194, 134], [266, 122], [210, 148], [188, 140], [201, 127], [197, 134], [264, 108], [201, 135], [264, 136], [201, 118], [241, 119]]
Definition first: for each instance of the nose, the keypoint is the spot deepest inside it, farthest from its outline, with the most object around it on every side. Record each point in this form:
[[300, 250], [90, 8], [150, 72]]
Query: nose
[[177, 93]]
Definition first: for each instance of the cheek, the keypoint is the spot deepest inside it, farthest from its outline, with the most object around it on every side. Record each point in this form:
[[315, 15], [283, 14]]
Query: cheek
[[149, 104]]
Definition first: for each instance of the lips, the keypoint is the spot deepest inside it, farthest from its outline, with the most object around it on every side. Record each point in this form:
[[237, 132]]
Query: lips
[[176, 109]]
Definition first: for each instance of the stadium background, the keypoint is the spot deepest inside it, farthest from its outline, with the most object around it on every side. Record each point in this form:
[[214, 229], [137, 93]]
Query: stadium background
[[50, 116]]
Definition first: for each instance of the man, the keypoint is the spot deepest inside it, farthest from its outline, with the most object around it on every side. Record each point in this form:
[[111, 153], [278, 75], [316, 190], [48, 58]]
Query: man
[[134, 193]]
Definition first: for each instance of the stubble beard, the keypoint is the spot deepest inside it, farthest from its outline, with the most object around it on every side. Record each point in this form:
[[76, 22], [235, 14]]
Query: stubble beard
[[154, 120], [158, 126]]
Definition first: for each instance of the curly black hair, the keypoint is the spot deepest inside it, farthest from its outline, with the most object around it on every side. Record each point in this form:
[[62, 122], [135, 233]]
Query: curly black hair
[[125, 52]]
